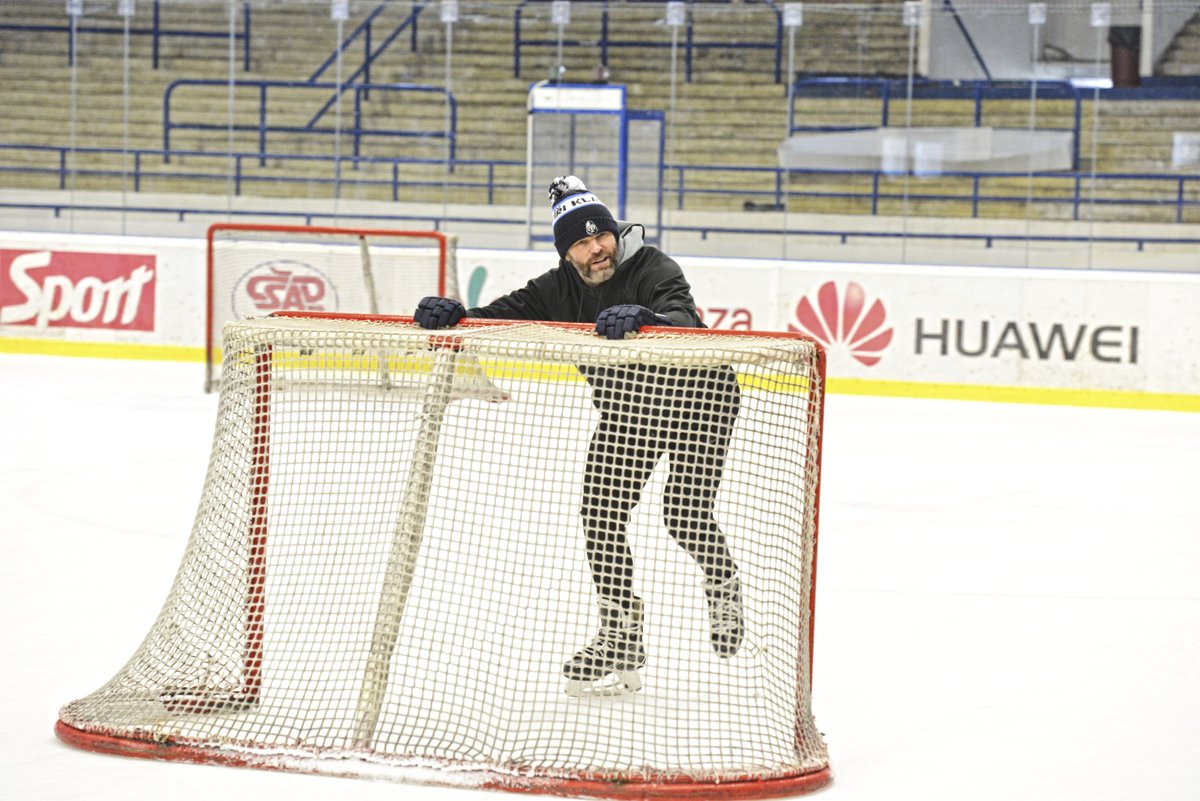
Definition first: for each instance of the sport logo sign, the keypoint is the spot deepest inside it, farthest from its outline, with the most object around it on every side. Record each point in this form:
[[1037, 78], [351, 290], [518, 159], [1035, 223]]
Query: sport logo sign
[[283, 284], [64, 289]]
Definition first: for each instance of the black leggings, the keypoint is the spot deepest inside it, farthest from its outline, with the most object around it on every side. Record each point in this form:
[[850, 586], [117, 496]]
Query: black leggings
[[622, 455]]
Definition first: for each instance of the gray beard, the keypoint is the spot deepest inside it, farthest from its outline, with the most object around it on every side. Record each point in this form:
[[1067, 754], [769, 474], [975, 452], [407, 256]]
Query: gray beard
[[596, 279]]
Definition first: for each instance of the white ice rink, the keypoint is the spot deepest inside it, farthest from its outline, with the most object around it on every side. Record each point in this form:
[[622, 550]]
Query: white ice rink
[[1008, 596]]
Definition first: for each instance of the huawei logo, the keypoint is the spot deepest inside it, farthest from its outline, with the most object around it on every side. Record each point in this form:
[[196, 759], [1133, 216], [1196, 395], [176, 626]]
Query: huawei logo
[[845, 318]]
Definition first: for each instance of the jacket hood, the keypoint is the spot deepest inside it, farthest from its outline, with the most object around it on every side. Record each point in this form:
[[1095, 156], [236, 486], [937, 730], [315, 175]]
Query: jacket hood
[[630, 241]]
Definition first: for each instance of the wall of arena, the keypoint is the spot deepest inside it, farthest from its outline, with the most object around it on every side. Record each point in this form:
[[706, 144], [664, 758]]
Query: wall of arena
[[1083, 337]]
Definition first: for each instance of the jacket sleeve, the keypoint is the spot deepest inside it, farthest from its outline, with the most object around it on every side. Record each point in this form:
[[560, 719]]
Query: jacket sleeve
[[668, 293]]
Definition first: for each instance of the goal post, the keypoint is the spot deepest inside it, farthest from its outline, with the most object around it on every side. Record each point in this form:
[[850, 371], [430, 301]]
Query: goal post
[[256, 269], [386, 580]]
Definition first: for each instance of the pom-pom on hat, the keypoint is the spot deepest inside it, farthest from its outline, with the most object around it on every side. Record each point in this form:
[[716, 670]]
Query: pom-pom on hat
[[577, 213]]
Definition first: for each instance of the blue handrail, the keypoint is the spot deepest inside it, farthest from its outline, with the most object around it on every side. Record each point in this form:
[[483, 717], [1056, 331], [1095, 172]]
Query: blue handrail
[[263, 128], [436, 222], [365, 30], [962, 27], [1077, 196], [156, 32], [369, 56], [978, 92], [1181, 191], [605, 41]]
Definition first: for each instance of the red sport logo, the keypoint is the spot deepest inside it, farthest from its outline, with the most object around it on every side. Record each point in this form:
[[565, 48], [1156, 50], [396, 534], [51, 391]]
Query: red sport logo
[[844, 317], [63, 289], [283, 284]]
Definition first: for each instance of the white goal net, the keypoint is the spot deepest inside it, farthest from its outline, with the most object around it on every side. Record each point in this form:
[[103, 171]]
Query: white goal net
[[393, 574]]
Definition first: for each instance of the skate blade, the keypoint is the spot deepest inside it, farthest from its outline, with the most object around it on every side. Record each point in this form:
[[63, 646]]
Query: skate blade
[[612, 686]]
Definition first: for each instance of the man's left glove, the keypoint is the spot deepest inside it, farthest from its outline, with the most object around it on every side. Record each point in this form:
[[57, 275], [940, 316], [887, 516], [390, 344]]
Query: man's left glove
[[617, 321], [435, 312]]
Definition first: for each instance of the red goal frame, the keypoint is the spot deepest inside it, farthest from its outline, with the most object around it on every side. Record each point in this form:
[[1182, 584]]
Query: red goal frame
[[572, 784]]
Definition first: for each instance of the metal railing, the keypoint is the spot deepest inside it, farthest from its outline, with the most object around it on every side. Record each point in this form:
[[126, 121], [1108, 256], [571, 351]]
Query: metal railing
[[889, 90], [765, 188], [157, 32], [437, 222], [365, 31], [605, 41], [356, 130], [948, 5], [1177, 192], [233, 169]]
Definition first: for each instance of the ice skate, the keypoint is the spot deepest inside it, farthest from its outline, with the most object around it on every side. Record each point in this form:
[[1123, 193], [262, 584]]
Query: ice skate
[[725, 614], [615, 651]]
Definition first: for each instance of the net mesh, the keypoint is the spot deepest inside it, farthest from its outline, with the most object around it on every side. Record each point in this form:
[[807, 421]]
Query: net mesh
[[388, 570]]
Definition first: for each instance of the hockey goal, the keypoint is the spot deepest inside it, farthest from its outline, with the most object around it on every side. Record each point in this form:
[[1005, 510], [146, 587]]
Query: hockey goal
[[391, 578], [254, 270]]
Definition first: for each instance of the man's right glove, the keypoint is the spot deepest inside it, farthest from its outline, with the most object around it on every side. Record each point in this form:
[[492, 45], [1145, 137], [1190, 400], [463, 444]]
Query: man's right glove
[[628, 318], [435, 312]]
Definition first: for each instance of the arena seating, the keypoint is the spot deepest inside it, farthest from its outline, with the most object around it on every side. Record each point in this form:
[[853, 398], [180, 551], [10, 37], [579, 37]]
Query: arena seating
[[732, 113]]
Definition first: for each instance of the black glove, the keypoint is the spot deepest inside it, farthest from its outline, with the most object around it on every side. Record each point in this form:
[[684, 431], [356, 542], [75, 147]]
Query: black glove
[[435, 312], [617, 321]]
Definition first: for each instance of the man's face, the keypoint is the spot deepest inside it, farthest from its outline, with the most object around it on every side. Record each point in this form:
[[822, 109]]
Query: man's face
[[594, 258]]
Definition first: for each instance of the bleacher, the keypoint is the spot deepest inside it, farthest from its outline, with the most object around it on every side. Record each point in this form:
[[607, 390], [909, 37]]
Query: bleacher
[[729, 120], [1182, 58]]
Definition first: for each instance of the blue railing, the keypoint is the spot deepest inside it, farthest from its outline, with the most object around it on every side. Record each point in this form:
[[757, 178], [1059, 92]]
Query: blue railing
[[437, 222], [365, 31], [361, 76], [1079, 190], [605, 41], [234, 168], [355, 130], [889, 90], [948, 5], [1180, 192], [156, 32]]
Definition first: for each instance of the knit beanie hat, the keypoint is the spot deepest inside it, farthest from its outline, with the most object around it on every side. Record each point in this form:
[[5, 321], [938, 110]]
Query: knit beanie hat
[[577, 213]]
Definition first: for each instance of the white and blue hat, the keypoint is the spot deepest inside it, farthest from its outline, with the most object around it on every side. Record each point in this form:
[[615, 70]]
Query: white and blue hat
[[576, 213]]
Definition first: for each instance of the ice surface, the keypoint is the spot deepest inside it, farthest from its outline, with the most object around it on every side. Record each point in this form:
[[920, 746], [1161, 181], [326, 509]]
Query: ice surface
[[1008, 596]]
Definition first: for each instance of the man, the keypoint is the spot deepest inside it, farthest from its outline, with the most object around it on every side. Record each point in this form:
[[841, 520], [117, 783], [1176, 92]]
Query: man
[[607, 274]]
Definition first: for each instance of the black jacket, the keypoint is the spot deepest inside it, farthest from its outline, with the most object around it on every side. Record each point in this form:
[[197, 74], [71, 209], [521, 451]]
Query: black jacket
[[645, 276]]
